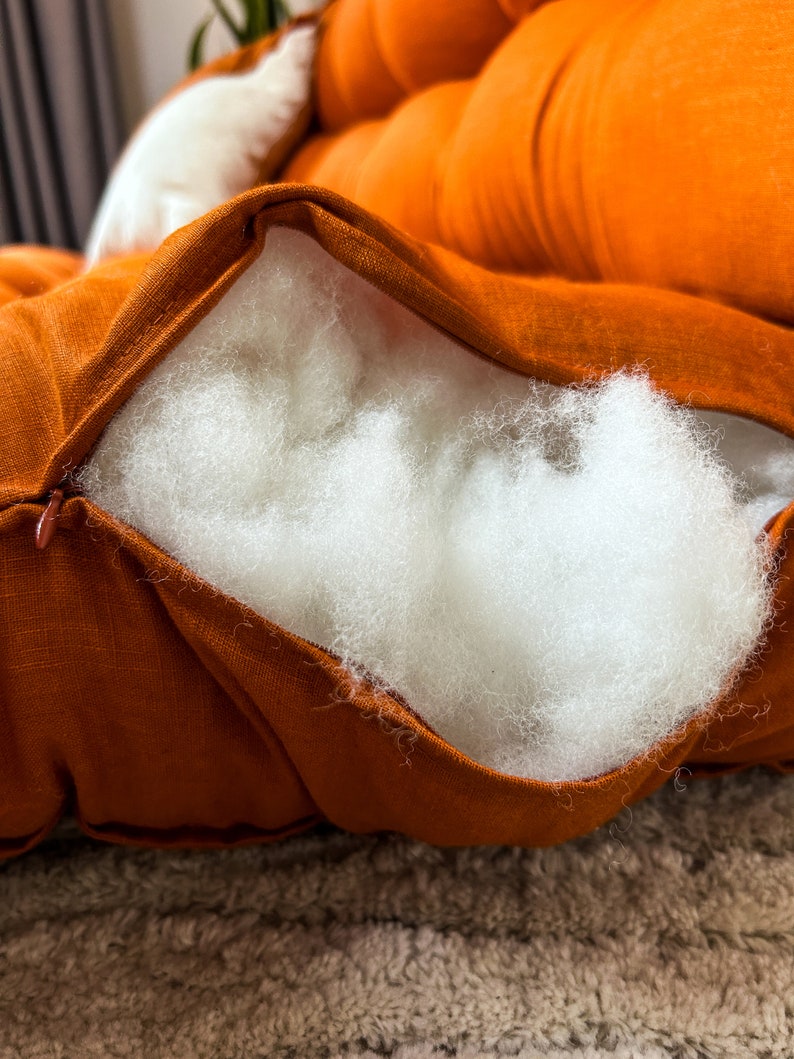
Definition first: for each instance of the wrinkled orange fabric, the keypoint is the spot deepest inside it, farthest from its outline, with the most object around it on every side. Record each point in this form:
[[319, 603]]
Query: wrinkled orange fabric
[[640, 141], [166, 713]]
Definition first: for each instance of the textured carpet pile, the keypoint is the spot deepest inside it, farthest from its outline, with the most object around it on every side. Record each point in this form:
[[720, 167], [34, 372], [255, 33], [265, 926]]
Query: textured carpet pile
[[668, 933]]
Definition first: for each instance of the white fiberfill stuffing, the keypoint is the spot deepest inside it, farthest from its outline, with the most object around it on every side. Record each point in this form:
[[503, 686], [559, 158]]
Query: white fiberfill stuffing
[[553, 578]]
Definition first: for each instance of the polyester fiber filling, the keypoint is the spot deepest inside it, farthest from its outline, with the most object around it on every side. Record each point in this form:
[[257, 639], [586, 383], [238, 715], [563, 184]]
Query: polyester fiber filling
[[554, 578]]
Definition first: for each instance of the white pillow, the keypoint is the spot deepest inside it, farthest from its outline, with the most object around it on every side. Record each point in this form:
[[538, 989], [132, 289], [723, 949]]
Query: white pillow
[[201, 148]]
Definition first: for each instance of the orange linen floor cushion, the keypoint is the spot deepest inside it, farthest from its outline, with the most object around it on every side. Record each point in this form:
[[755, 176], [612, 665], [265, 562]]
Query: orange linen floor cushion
[[444, 487], [161, 709]]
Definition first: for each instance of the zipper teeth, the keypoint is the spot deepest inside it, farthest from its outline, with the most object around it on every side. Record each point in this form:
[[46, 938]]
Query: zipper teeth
[[68, 486]]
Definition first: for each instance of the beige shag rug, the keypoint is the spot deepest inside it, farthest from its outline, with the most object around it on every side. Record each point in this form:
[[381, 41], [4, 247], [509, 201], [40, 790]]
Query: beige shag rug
[[669, 933]]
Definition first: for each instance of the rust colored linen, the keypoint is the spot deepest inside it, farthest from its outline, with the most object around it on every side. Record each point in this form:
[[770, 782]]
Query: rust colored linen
[[29, 270], [640, 141], [371, 61], [166, 713]]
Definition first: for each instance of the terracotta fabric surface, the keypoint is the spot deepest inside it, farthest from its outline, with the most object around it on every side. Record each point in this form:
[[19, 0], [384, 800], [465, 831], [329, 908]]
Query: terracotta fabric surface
[[640, 141], [378, 54], [166, 713], [30, 270]]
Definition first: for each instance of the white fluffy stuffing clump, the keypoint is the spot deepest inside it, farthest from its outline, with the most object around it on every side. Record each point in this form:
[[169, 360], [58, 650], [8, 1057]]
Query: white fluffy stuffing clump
[[554, 578]]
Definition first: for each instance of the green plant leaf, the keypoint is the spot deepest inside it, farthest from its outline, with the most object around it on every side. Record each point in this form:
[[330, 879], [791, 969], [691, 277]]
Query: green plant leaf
[[196, 50], [238, 32], [257, 18], [260, 18]]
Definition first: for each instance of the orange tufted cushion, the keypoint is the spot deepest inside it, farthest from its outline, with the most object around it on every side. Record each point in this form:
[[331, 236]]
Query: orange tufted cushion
[[371, 61], [29, 270], [639, 141]]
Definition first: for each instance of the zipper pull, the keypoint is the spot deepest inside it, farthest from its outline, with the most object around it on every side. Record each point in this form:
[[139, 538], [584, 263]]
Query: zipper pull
[[48, 523], [46, 526]]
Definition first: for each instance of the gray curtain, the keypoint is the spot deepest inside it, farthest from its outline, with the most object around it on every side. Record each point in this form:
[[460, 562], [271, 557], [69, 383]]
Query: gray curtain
[[60, 126]]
